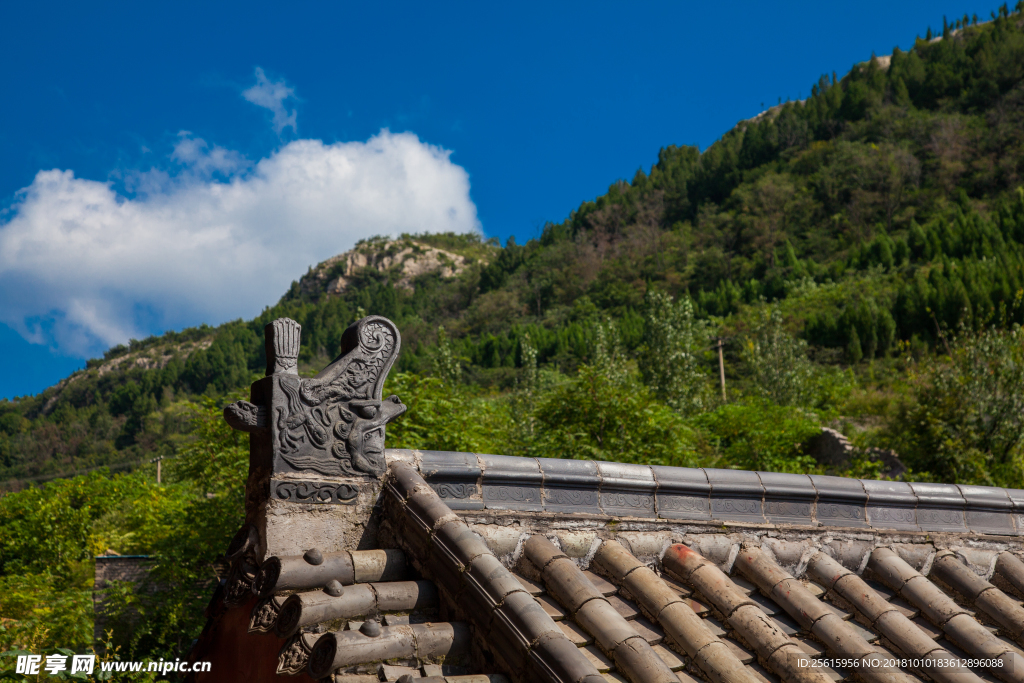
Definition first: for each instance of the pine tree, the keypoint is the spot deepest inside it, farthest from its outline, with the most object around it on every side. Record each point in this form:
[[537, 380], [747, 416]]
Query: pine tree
[[853, 349], [447, 366]]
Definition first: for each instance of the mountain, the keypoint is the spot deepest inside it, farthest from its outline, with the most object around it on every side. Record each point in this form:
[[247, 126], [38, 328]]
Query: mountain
[[881, 214], [406, 258]]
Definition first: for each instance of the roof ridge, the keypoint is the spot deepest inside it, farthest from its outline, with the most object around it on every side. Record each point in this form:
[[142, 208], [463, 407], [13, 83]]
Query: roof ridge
[[477, 482]]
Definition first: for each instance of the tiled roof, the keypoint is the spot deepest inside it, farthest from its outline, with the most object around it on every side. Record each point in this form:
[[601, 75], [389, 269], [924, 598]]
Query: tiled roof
[[360, 565], [683, 619]]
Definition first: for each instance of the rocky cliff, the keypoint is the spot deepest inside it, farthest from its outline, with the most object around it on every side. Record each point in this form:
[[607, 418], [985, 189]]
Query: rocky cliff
[[403, 260]]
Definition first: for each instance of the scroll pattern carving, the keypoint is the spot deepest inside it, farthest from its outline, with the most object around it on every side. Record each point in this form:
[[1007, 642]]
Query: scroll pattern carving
[[682, 503], [944, 517], [892, 515], [265, 614], [449, 490], [238, 587], [316, 492], [294, 657], [569, 497], [515, 494], [628, 500], [838, 511], [787, 508], [736, 506]]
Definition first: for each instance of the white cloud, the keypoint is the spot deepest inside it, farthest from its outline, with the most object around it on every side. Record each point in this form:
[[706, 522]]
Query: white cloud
[[199, 157], [271, 95], [83, 267]]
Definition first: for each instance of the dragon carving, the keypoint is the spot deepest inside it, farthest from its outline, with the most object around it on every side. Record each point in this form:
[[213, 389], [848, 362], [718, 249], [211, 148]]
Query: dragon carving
[[333, 423]]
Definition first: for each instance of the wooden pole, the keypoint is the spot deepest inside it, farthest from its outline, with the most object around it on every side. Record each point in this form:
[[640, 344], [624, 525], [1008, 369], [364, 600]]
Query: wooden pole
[[721, 367], [159, 461]]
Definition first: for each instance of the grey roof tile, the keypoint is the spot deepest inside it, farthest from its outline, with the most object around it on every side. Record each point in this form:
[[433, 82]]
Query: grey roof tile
[[455, 477], [736, 496], [511, 483], [648, 631], [570, 486], [891, 505], [671, 659], [841, 501], [627, 489], [552, 608], [739, 651], [788, 498], [531, 587], [988, 509], [597, 658], [683, 493], [940, 507]]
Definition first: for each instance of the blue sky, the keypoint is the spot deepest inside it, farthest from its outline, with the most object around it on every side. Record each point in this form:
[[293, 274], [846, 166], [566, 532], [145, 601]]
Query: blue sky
[[170, 164]]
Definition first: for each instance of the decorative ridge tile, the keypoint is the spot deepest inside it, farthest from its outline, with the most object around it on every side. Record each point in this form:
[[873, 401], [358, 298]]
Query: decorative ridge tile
[[788, 498], [736, 496], [841, 501], [940, 507], [683, 493], [468, 481], [627, 489]]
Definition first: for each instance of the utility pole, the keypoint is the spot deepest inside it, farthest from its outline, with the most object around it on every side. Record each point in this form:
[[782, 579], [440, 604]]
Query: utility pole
[[721, 367], [159, 462]]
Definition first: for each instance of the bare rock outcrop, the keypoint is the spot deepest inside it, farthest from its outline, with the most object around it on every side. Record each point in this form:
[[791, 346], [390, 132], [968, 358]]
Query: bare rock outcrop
[[405, 258]]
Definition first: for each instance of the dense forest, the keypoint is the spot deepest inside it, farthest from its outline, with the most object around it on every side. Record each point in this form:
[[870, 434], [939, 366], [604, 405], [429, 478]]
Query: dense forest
[[860, 255]]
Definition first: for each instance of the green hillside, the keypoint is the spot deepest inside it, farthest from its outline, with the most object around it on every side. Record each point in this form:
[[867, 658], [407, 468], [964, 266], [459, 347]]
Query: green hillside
[[882, 219], [861, 254]]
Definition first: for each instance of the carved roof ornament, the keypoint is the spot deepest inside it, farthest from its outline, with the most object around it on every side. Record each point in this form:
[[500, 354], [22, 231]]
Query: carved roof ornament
[[334, 423]]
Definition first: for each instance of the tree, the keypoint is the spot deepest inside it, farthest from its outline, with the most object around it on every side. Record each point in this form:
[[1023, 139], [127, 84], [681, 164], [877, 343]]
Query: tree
[[447, 366], [965, 420], [611, 416], [763, 208], [896, 170], [670, 360], [776, 360], [522, 403]]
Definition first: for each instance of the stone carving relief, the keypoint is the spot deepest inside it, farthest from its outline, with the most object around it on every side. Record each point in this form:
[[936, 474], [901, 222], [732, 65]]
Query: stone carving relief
[[294, 656], [683, 503], [628, 500], [454, 490], [731, 505], [839, 511], [265, 614], [315, 492], [571, 497], [782, 507], [332, 424], [947, 517], [897, 515]]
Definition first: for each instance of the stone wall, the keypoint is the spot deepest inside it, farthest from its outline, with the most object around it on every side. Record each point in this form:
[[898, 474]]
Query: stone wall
[[109, 568]]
